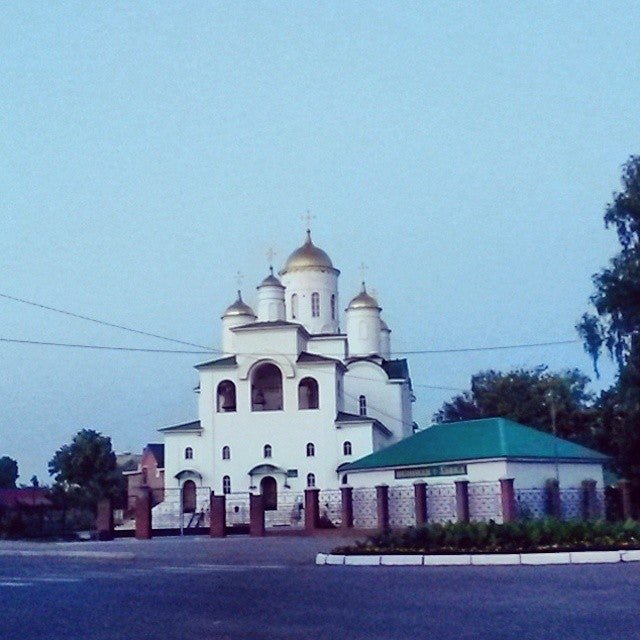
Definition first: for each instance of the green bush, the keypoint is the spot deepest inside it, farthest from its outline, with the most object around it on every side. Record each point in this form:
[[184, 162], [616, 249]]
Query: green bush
[[512, 537]]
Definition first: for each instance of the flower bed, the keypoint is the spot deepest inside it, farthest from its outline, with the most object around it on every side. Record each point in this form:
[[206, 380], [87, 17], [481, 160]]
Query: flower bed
[[528, 536]]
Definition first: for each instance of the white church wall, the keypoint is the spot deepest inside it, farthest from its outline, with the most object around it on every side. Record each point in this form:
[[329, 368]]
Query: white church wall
[[304, 284], [363, 332], [288, 432], [361, 438], [331, 347], [384, 399], [274, 341], [174, 458]]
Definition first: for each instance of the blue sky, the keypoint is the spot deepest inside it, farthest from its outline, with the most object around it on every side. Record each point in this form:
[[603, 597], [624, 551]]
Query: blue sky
[[463, 151]]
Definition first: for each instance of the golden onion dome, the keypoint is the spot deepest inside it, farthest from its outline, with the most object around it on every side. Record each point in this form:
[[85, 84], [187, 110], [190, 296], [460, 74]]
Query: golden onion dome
[[239, 308], [307, 256], [363, 301], [271, 281]]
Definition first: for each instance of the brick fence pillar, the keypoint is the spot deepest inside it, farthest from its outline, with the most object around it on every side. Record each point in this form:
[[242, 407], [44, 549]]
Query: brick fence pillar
[[625, 494], [217, 516], [420, 499], [256, 515], [508, 500], [143, 514], [462, 500], [311, 509], [589, 500], [346, 493], [104, 520], [553, 499], [382, 506]]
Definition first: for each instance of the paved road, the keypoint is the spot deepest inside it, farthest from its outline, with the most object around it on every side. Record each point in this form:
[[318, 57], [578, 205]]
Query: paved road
[[174, 589]]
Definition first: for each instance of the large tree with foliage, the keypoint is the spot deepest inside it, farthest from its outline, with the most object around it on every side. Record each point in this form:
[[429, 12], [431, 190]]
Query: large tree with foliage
[[8, 472], [528, 396], [614, 325], [616, 299], [86, 470]]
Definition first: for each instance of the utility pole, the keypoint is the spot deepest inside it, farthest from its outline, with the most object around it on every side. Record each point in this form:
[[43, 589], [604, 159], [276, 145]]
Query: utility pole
[[551, 399]]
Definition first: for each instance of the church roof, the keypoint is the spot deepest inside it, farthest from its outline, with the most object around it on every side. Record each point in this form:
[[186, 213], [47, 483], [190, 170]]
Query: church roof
[[396, 369], [342, 417], [307, 256], [269, 323], [238, 308], [229, 361], [363, 301], [487, 438], [271, 281], [306, 357], [185, 426]]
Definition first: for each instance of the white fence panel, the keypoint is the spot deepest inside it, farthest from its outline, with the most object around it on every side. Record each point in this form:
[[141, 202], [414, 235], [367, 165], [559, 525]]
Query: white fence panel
[[402, 506]]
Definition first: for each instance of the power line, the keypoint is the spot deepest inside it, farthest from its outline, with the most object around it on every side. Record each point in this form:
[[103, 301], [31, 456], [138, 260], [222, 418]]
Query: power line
[[97, 346], [526, 345], [220, 351], [105, 323]]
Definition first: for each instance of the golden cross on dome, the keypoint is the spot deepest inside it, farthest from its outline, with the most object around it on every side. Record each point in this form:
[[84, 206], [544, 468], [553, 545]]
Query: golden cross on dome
[[239, 278], [307, 218]]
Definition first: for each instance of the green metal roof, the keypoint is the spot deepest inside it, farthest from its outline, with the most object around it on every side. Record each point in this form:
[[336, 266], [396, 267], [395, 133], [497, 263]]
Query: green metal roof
[[475, 440]]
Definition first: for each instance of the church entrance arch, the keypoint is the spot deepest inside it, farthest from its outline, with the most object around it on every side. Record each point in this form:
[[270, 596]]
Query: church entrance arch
[[189, 497], [269, 491]]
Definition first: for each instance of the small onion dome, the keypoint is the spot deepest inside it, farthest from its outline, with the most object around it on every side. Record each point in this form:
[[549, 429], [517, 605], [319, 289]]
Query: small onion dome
[[363, 301], [238, 308], [271, 281], [308, 255]]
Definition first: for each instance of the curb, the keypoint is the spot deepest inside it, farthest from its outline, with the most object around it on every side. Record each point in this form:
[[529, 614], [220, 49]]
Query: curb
[[482, 559]]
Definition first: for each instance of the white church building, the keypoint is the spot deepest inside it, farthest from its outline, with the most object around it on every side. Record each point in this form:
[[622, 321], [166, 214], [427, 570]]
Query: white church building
[[293, 397]]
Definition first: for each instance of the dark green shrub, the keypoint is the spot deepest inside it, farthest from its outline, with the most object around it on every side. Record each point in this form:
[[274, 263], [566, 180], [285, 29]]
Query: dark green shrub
[[512, 537]]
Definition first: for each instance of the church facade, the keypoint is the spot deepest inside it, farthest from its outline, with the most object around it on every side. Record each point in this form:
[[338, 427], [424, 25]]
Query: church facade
[[293, 398]]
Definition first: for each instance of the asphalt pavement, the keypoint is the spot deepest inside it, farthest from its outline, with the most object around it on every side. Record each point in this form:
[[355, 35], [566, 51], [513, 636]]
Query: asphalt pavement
[[240, 587]]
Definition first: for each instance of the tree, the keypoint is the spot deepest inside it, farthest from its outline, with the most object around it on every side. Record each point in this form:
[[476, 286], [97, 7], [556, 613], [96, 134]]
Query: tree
[[616, 299], [86, 470], [615, 326], [8, 472], [528, 396]]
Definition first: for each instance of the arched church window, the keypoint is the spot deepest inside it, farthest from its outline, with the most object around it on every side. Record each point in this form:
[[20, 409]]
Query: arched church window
[[311, 450], [226, 453], [347, 448], [315, 305], [266, 388], [362, 405], [333, 307], [311, 480], [226, 484], [267, 451], [345, 479], [308, 396], [294, 306], [188, 453], [226, 397]]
